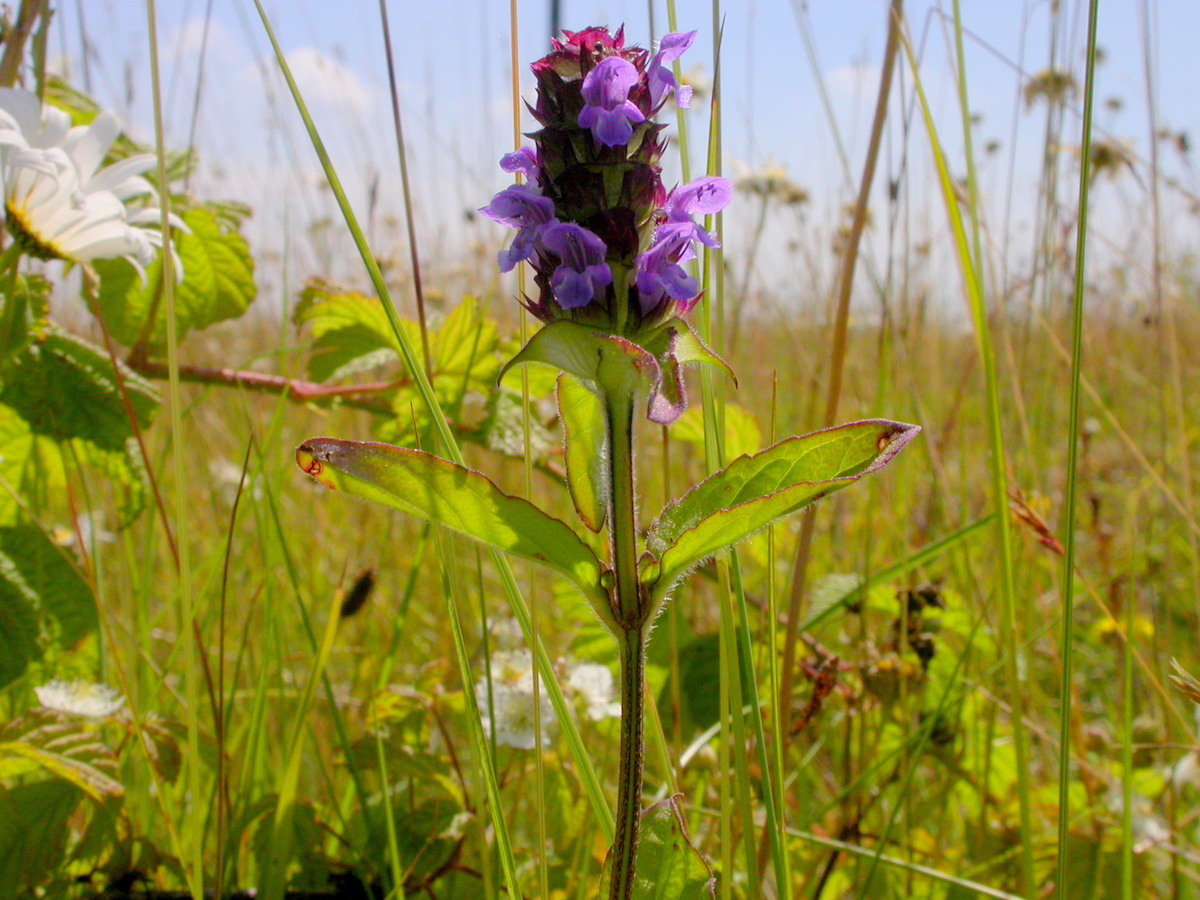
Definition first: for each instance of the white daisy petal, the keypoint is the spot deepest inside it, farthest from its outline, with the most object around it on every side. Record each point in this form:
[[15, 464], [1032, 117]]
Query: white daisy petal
[[58, 202]]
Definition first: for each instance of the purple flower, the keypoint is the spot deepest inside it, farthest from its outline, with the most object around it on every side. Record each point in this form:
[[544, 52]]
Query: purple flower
[[582, 271], [659, 275], [523, 208], [608, 111], [662, 79], [706, 195], [524, 161]]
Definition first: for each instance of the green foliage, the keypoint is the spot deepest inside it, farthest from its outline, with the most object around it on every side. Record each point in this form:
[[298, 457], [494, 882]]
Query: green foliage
[[218, 284], [350, 332], [462, 500], [37, 581], [668, 866], [34, 824], [65, 388], [753, 491], [586, 429]]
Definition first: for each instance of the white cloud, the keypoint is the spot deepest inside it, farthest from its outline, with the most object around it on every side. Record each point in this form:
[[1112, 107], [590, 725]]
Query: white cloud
[[856, 82], [188, 39], [322, 79]]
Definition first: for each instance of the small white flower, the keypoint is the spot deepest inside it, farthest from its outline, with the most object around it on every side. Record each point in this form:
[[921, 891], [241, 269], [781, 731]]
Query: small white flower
[[58, 202], [512, 702], [594, 684], [80, 698]]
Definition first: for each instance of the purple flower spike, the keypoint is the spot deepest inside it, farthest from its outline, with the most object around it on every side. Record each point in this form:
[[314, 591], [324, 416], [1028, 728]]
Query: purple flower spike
[[582, 272], [662, 79], [608, 111], [523, 208]]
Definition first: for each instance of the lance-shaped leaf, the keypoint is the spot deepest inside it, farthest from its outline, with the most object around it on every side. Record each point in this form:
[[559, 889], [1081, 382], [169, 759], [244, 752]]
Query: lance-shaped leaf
[[668, 867], [462, 500], [586, 428], [753, 491]]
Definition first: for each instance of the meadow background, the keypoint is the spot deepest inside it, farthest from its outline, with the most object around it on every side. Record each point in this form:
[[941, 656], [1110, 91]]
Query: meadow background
[[919, 751]]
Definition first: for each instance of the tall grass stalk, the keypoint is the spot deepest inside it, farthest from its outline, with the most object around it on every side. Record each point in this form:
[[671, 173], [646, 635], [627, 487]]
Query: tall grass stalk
[[970, 264], [1068, 604], [414, 257], [194, 861]]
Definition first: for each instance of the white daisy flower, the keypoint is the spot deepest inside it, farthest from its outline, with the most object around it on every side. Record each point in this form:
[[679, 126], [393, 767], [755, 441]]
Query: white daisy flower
[[512, 702], [58, 202], [79, 698]]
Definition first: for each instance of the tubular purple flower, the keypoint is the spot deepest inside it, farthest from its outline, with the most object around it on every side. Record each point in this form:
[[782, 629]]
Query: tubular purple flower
[[524, 161], [705, 196], [582, 272], [523, 208], [659, 275], [608, 111], [662, 79]]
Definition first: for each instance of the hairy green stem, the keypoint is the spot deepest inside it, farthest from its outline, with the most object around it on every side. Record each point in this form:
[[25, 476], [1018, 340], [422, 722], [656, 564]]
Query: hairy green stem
[[630, 614]]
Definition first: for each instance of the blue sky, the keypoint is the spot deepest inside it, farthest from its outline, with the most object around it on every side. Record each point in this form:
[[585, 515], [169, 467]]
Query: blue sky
[[454, 75]]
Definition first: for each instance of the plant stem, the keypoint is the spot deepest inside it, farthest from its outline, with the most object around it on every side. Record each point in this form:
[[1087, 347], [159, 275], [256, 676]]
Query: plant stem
[[630, 614], [629, 787]]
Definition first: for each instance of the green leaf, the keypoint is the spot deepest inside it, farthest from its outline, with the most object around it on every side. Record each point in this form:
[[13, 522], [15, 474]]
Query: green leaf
[[19, 629], [37, 579], [65, 388], [16, 443], [33, 834], [588, 354], [668, 866], [454, 496], [65, 748], [47, 571], [350, 330], [753, 491], [218, 283], [464, 347], [586, 429]]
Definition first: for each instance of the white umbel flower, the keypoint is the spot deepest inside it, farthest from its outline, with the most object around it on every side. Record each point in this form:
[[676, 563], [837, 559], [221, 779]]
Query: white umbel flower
[[593, 683], [80, 698], [512, 702], [58, 202]]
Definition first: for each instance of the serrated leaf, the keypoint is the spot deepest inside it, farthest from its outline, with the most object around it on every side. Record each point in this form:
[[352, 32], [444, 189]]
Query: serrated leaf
[[33, 834], [51, 575], [753, 491], [218, 283], [668, 867], [65, 388], [453, 496], [585, 427], [464, 345], [348, 328]]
